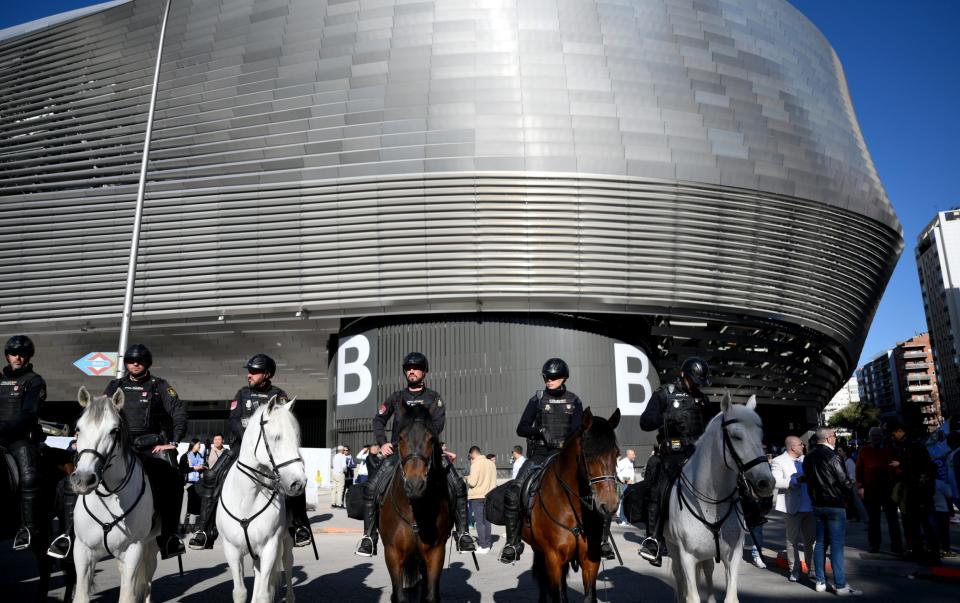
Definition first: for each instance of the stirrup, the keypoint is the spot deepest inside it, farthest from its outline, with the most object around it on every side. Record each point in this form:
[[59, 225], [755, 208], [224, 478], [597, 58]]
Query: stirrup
[[465, 543], [55, 549], [199, 541], [178, 548], [22, 546], [646, 554], [363, 553], [510, 553], [301, 536]]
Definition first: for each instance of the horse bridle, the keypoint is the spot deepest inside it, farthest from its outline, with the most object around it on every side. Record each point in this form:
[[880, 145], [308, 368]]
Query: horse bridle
[[257, 476], [742, 467], [428, 461]]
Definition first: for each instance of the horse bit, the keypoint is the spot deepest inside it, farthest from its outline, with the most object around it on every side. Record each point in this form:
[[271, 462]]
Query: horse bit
[[103, 463], [257, 476]]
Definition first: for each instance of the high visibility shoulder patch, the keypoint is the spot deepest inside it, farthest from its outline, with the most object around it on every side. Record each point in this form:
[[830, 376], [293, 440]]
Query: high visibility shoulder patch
[[172, 391]]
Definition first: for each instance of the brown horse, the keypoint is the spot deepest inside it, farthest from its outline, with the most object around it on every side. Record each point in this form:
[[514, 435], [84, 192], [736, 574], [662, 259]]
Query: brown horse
[[577, 492], [416, 518]]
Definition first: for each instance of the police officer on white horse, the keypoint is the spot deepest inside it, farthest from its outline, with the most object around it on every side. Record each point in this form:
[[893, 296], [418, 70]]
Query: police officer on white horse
[[678, 412], [258, 391], [158, 421], [415, 367], [22, 393], [550, 417]]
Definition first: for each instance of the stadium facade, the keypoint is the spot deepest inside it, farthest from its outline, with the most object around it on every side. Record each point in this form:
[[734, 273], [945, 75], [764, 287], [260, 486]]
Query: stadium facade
[[623, 183]]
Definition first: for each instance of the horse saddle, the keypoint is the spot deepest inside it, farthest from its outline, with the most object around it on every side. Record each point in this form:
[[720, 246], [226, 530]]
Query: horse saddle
[[531, 484]]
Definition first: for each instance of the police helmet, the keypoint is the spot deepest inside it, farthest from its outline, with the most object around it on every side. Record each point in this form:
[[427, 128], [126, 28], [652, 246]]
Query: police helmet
[[262, 363], [698, 371], [19, 344], [555, 368], [138, 353], [417, 360]]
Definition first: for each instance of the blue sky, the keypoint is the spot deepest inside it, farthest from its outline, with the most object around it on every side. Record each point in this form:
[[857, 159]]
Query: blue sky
[[903, 67]]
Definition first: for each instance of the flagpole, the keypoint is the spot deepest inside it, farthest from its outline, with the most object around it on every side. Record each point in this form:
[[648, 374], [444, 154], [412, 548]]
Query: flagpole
[[138, 216]]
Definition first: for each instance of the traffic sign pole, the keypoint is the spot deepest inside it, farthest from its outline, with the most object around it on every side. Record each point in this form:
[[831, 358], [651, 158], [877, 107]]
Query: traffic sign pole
[[141, 188]]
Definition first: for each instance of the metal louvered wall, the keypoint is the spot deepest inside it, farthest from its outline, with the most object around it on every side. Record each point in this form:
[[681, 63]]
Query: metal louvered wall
[[690, 158]]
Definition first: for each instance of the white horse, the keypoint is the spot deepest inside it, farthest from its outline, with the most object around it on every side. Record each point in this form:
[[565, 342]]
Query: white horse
[[253, 518], [114, 514], [703, 523]]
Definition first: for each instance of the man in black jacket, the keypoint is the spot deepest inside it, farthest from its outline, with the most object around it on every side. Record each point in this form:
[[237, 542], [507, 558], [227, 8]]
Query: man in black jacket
[[830, 488]]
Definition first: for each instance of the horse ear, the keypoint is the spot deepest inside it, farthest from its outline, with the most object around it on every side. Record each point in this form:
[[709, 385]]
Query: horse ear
[[614, 419], [289, 404], [726, 401], [83, 397], [118, 399], [271, 403], [587, 419], [752, 402]]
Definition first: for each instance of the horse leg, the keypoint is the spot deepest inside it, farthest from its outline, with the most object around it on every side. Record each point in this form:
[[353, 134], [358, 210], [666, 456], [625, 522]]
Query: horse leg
[[235, 561], [150, 552], [288, 565], [554, 576], [264, 571], [731, 562], [131, 584], [85, 562], [707, 568], [589, 570], [395, 564], [688, 573], [435, 559]]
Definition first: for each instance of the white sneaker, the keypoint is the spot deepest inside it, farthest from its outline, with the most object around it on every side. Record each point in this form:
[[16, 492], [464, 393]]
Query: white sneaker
[[848, 591], [758, 561], [820, 587], [482, 551]]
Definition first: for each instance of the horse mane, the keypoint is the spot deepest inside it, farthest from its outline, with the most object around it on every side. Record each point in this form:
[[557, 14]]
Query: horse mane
[[599, 439]]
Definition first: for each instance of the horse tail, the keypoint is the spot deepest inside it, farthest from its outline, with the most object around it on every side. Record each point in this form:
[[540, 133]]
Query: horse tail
[[413, 572]]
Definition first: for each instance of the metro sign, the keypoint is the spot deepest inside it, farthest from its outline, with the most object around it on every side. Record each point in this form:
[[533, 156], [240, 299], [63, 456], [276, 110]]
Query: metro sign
[[97, 364]]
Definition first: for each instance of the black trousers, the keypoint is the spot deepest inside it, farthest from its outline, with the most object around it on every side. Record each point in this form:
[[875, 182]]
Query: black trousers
[[166, 485], [661, 470], [879, 503], [27, 456]]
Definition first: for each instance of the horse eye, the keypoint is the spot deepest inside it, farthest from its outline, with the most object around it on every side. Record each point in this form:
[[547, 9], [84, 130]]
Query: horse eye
[[115, 431]]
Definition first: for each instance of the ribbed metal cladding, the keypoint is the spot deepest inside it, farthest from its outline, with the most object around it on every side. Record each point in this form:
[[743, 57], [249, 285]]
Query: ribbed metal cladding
[[362, 158]]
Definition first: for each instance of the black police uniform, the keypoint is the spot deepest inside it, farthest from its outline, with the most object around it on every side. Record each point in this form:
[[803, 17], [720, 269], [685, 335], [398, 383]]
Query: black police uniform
[[22, 393], [156, 416], [680, 418], [397, 404], [549, 418], [246, 402]]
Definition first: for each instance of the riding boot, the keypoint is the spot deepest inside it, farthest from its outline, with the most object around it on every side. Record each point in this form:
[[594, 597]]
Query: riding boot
[[371, 492], [650, 548], [511, 515], [299, 522], [60, 547], [166, 485], [606, 550], [206, 535], [26, 455], [458, 494]]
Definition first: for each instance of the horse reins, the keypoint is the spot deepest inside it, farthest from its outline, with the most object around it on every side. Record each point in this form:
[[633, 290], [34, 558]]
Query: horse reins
[[732, 498], [256, 476], [103, 463]]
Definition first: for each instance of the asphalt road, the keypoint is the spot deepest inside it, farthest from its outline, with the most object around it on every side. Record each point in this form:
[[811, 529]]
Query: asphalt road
[[342, 577]]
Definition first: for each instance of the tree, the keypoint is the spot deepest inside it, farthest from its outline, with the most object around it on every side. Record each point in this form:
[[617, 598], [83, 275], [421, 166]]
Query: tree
[[857, 417]]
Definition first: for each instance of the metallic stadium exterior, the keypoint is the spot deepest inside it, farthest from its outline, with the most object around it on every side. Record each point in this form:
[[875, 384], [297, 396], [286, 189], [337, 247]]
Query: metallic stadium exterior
[[622, 183]]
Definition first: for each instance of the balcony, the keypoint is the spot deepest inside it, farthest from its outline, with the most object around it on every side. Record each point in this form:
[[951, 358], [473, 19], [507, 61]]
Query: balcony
[[915, 354], [919, 377], [920, 388], [910, 366]]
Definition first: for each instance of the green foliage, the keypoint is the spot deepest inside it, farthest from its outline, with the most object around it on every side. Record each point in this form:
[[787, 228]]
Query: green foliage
[[858, 418]]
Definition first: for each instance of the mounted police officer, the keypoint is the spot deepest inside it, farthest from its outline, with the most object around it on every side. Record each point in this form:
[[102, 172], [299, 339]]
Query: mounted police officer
[[415, 367], [22, 393], [157, 421], [550, 417], [258, 391], [678, 412]]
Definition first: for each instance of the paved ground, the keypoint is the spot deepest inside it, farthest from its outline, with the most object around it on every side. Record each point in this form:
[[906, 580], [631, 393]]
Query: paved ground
[[342, 577]]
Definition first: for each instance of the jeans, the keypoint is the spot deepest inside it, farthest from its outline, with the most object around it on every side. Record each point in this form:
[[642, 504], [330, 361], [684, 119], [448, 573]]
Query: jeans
[[484, 539], [832, 523]]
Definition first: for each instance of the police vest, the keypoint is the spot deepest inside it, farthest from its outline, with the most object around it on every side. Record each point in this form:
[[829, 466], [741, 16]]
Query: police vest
[[682, 417], [140, 401], [11, 396], [555, 416], [250, 400]]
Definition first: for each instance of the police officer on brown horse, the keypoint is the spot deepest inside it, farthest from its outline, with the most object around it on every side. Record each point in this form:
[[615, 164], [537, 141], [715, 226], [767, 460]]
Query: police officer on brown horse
[[157, 421], [258, 391], [415, 368], [550, 417], [678, 411], [22, 393]]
